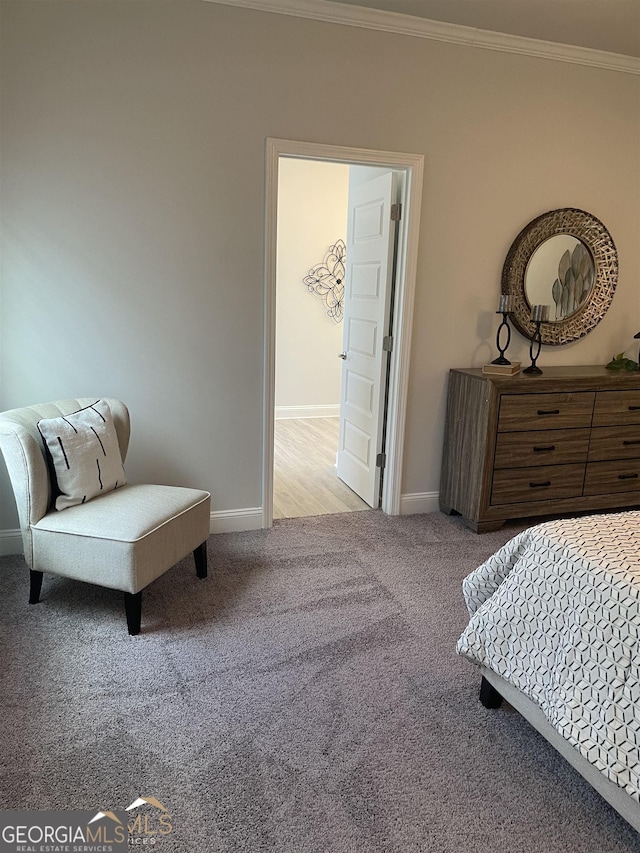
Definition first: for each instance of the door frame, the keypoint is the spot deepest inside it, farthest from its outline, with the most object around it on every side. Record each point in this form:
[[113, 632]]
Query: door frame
[[406, 266]]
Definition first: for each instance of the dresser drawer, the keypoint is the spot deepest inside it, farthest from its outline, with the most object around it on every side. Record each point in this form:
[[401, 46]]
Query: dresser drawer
[[546, 482], [542, 447], [615, 408], [521, 412], [621, 442], [603, 478]]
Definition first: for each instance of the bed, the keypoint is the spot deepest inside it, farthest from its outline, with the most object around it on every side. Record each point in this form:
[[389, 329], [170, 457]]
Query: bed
[[555, 629]]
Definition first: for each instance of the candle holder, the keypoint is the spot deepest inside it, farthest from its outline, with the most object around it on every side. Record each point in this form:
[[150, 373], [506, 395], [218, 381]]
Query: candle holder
[[539, 315], [534, 350], [506, 306]]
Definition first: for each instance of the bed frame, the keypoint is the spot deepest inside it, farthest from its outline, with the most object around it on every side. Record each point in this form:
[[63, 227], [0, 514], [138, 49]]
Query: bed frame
[[494, 689]]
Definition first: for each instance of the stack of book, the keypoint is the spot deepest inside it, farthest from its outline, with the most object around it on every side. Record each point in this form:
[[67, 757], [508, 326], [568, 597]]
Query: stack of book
[[502, 369]]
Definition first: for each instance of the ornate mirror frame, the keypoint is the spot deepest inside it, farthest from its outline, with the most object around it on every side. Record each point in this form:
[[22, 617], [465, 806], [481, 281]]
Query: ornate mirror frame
[[594, 235]]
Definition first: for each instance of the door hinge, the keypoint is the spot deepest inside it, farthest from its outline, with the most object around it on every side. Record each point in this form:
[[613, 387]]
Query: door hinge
[[381, 460], [396, 212], [387, 343]]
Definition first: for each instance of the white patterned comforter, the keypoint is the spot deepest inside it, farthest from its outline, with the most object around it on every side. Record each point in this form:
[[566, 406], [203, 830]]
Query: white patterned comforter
[[556, 612]]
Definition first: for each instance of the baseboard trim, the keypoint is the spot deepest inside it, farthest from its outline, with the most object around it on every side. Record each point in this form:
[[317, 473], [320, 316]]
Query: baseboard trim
[[225, 521], [419, 502], [283, 412], [10, 542], [235, 520]]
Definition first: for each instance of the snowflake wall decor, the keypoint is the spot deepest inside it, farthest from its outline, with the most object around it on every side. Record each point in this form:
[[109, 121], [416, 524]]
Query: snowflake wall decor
[[327, 280]]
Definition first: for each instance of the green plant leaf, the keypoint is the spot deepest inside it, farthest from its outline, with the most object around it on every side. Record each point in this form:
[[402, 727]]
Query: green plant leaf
[[619, 362]]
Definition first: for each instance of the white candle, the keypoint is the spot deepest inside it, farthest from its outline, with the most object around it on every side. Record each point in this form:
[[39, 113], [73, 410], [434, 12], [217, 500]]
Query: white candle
[[540, 313], [507, 303]]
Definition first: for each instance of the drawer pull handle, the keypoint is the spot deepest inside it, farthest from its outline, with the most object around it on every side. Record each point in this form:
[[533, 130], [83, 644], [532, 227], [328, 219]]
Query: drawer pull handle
[[546, 484], [550, 447], [555, 411], [634, 408], [627, 476], [629, 441]]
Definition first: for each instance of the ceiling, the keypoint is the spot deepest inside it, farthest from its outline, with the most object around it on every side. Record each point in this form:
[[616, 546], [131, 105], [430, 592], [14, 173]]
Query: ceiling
[[610, 25]]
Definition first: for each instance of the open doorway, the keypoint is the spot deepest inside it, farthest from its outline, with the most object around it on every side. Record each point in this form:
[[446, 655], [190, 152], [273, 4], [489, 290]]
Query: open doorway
[[305, 479], [313, 198], [373, 370]]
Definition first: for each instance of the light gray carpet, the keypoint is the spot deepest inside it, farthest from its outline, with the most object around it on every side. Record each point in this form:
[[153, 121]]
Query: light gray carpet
[[305, 698]]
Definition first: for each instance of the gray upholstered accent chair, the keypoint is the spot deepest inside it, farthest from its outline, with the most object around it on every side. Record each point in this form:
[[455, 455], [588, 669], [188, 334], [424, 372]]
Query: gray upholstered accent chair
[[123, 539]]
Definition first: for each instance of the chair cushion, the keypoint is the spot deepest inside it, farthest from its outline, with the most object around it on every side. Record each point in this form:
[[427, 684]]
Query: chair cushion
[[125, 515], [124, 539], [84, 453]]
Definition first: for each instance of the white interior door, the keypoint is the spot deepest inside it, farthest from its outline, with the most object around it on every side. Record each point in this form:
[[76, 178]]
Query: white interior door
[[368, 277]]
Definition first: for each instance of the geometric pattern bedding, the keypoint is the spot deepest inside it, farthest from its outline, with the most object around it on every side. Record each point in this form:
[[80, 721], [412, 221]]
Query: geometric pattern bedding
[[556, 613]]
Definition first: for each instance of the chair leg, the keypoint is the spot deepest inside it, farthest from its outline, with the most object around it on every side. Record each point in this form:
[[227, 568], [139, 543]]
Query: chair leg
[[35, 586], [200, 556], [133, 609]]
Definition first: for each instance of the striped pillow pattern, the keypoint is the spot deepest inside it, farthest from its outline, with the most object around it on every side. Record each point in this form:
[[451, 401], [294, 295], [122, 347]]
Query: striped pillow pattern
[[85, 454]]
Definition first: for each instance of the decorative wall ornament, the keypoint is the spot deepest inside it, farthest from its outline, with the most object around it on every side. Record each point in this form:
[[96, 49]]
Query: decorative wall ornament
[[327, 280]]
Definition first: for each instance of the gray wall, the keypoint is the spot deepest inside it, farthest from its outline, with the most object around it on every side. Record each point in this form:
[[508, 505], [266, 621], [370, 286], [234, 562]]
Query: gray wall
[[133, 140]]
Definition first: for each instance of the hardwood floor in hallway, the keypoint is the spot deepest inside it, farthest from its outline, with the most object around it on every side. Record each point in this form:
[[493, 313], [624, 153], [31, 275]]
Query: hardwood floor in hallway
[[305, 480]]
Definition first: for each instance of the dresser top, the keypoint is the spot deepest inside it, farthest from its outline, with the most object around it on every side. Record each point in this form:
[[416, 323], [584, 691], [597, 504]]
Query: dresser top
[[585, 377]]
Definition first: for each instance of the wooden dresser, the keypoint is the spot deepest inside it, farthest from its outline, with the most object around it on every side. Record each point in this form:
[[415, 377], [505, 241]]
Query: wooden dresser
[[562, 442]]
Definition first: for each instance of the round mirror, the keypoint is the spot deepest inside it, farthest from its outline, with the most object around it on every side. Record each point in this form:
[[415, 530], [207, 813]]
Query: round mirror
[[565, 259], [560, 273]]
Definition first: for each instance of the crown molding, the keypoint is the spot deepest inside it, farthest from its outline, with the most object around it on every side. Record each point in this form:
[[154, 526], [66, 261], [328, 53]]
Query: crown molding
[[409, 25]]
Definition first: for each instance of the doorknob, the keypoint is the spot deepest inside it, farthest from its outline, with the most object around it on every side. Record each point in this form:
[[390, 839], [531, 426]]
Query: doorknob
[[342, 355]]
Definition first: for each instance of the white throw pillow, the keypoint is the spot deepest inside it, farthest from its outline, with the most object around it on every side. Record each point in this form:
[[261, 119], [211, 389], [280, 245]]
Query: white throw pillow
[[85, 454]]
